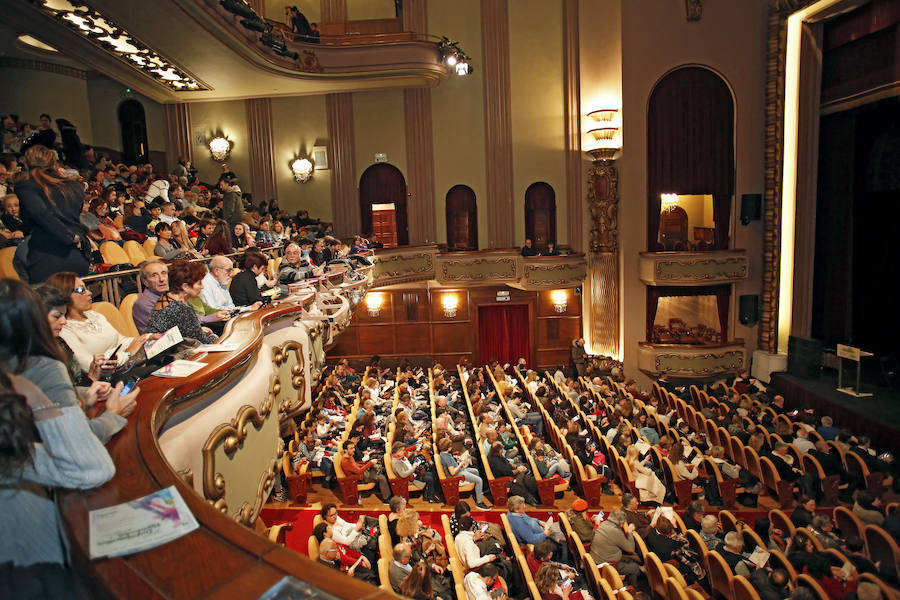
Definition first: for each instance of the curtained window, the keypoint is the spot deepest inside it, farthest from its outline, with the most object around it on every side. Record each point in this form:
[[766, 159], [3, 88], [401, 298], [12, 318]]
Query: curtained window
[[690, 131], [721, 293]]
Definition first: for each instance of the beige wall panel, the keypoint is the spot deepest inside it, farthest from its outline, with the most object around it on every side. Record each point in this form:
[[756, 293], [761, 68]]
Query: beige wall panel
[[379, 127], [299, 123], [358, 10], [538, 106], [230, 118], [29, 93], [105, 96], [458, 115], [656, 38]]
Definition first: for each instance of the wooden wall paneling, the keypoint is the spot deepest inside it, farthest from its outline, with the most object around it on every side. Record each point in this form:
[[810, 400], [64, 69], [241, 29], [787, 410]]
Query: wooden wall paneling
[[376, 339], [385, 315], [347, 343], [557, 332], [436, 299], [454, 337], [551, 358], [449, 360], [411, 306], [412, 339], [546, 308]]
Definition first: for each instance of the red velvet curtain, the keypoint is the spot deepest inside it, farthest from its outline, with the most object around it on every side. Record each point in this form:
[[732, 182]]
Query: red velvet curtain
[[690, 144], [503, 333]]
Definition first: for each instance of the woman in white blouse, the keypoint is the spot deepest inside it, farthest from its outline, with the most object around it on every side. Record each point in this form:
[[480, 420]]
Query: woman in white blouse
[[88, 333], [645, 480]]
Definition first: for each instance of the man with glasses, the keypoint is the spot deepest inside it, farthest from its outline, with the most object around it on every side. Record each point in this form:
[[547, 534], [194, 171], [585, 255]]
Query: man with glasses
[[215, 285], [295, 267]]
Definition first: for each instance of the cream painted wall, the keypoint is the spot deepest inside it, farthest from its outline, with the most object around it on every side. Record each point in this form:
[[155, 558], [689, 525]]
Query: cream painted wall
[[457, 115], [29, 93], [300, 123], [537, 106], [311, 9], [656, 38], [699, 211], [358, 10], [104, 96], [230, 118], [379, 127]]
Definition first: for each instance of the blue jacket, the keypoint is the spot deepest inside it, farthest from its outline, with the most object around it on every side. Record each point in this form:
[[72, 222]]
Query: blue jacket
[[527, 530]]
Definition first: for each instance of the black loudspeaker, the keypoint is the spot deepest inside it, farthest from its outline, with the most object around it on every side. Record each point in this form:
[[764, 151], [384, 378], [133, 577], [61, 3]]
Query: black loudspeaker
[[805, 357], [751, 208], [578, 291], [748, 309]]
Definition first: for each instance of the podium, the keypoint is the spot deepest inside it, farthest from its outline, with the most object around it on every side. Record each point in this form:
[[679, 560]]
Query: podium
[[855, 355]]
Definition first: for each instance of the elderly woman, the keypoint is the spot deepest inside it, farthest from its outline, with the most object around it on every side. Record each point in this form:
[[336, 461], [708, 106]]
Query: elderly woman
[[425, 545], [244, 288], [340, 557], [172, 308], [87, 332]]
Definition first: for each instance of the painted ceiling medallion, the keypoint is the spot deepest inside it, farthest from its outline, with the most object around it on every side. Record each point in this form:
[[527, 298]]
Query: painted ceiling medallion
[[86, 21]]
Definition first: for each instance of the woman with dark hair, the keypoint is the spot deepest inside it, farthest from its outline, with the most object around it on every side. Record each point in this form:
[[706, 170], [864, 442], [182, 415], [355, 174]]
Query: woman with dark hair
[[340, 557], [166, 247], [244, 288], [671, 546], [51, 206], [70, 456], [219, 241], [172, 308], [240, 237], [417, 584]]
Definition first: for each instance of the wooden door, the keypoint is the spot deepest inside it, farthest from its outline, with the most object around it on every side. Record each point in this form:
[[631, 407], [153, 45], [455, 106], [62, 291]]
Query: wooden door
[[384, 225], [383, 183]]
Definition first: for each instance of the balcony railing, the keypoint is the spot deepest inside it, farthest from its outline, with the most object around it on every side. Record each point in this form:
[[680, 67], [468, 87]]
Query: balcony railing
[[694, 268]]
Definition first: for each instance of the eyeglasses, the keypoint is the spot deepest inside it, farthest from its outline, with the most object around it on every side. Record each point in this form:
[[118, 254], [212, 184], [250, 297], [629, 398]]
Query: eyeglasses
[[80, 290]]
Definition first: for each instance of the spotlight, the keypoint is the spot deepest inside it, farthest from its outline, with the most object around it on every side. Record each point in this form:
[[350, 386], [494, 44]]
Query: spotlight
[[463, 68], [451, 60], [254, 23]]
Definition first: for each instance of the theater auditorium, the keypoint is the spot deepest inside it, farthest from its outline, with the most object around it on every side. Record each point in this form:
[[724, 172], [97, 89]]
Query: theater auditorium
[[449, 299]]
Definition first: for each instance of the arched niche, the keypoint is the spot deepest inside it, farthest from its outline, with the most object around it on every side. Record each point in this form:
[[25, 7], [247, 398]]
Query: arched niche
[[462, 218], [133, 125], [540, 214], [382, 204]]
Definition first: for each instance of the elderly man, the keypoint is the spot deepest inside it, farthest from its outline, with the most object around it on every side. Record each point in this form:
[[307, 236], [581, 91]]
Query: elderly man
[[529, 530], [294, 267], [733, 553], [614, 543], [400, 568], [155, 279], [215, 284]]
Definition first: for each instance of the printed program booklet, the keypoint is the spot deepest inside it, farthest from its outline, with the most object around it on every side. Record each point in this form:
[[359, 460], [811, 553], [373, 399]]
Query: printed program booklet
[[140, 524]]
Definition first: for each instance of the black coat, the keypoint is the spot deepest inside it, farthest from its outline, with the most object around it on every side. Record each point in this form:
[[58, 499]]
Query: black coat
[[244, 290], [54, 225]]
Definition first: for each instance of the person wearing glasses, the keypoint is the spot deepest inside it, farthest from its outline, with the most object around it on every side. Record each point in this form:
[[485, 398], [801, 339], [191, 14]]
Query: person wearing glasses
[[215, 285], [88, 333]]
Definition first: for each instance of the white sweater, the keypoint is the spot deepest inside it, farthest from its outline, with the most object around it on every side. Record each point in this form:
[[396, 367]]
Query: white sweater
[[95, 335]]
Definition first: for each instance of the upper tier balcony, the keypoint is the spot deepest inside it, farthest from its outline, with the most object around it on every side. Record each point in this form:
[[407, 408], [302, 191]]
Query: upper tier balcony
[[694, 268]]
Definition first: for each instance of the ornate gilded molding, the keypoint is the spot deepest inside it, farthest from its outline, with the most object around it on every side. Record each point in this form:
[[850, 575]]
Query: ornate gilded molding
[[231, 436], [554, 276], [419, 265], [288, 403], [479, 269], [692, 361], [7, 62], [603, 199], [108, 35], [692, 268]]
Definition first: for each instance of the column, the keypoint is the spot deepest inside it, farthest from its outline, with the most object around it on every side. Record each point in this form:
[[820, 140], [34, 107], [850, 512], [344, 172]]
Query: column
[[334, 11], [415, 16], [344, 191], [261, 149], [178, 133], [572, 68], [420, 165], [497, 126], [603, 259]]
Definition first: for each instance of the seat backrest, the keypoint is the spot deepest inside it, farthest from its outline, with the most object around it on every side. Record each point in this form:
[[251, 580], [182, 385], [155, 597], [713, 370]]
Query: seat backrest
[[743, 589], [113, 254], [126, 308], [813, 585], [848, 523], [656, 574], [149, 247], [674, 590], [135, 252], [777, 560], [781, 521], [855, 464], [7, 270], [751, 539], [728, 521], [882, 547], [112, 315], [719, 573], [384, 574]]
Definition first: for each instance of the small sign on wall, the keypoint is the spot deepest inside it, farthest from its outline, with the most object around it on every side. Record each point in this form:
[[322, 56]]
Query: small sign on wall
[[502, 296], [381, 157]]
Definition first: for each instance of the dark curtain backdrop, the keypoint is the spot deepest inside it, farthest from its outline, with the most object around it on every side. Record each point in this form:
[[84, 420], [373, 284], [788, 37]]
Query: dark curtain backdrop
[[721, 292], [503, 333], [690, 131]]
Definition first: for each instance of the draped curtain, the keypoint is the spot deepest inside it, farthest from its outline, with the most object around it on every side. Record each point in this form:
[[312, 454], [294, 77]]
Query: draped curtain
[[503, 333], [690, 130], [721, 292]]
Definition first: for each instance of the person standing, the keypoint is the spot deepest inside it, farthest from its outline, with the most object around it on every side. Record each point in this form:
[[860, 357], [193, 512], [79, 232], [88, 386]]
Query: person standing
[[579, 356]]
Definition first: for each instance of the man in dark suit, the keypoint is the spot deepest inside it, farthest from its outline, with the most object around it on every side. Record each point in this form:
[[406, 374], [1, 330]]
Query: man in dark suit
[[832, 465]]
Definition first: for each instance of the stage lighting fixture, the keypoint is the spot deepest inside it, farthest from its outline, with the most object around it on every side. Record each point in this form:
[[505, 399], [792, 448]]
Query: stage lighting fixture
[[239, 7], [255, 24]]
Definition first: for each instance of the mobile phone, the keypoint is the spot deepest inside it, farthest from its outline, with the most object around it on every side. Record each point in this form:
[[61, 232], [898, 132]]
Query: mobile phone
[[126, 389], [484, 527], [235, 312], [115, 352]]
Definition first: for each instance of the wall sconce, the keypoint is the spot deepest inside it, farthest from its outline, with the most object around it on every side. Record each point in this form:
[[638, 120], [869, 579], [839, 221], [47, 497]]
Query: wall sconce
[[373, 304], [604, 135], [560, 300], [220, 148], [668, 201], [450, 303], [302, 170]]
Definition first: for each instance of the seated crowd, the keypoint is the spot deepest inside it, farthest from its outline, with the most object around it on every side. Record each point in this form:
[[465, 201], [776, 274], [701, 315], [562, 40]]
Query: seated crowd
[[644, 441]]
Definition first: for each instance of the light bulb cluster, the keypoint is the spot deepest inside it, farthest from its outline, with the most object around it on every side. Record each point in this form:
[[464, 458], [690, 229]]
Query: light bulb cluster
[[454, 57]]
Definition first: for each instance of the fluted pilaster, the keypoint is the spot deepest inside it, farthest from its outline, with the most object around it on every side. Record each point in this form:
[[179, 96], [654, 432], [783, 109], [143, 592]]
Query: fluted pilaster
[[344, 192], [603, 273], [178, 133], [572, 100], [420, 164], [334, 11], [497, 123], [415, 16], [261, 148]]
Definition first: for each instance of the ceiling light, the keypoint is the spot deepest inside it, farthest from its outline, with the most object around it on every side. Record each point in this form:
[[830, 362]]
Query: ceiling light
[[36, 43]]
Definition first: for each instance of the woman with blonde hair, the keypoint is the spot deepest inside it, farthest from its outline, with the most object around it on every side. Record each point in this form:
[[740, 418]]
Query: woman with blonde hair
[[180, 235], [51, 205], [648, 484]]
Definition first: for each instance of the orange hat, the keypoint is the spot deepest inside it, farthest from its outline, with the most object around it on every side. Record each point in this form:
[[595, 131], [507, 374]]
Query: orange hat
[[579, 505]]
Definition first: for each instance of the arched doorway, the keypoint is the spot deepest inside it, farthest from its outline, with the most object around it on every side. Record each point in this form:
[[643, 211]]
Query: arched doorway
[[540, 214], [690, 150], [462, 219], [382, 204], [133, 124]]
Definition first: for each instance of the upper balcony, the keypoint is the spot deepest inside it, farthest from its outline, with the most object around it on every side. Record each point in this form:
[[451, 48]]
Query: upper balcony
[[694, 268], [485, 267]]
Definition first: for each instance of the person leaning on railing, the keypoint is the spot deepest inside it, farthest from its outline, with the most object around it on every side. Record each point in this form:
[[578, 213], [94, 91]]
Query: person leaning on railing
[[172, 310]]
